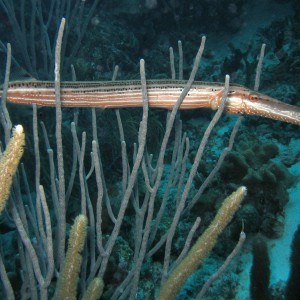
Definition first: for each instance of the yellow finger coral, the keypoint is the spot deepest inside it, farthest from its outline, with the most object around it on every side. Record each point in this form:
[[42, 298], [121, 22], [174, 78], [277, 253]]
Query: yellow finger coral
[[9, 163], [68, 278], [203, 245], [94, 290]]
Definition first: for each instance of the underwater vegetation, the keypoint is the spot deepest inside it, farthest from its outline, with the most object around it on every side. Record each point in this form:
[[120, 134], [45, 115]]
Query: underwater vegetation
[[146, 203]]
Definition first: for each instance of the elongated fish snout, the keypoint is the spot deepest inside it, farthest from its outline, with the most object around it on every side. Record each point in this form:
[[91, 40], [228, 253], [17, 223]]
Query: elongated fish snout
[[277, 111], [268, 107]]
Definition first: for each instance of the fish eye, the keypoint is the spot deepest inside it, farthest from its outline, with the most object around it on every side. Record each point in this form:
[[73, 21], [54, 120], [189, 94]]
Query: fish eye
[[253, 97]]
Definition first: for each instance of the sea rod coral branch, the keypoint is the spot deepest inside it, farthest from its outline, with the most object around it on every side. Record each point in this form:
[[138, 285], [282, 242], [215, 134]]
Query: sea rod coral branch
[[69, 275], [9, 163], [203, 245]]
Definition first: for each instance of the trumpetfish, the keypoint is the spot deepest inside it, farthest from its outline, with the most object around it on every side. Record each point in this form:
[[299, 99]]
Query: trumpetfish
[[161, 94]]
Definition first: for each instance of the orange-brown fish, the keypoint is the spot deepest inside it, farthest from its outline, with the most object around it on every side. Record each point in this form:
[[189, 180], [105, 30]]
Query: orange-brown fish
[[161, 94]]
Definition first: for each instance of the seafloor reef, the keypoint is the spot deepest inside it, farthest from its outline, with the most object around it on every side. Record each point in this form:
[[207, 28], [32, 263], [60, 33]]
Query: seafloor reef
[[265, 151]]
